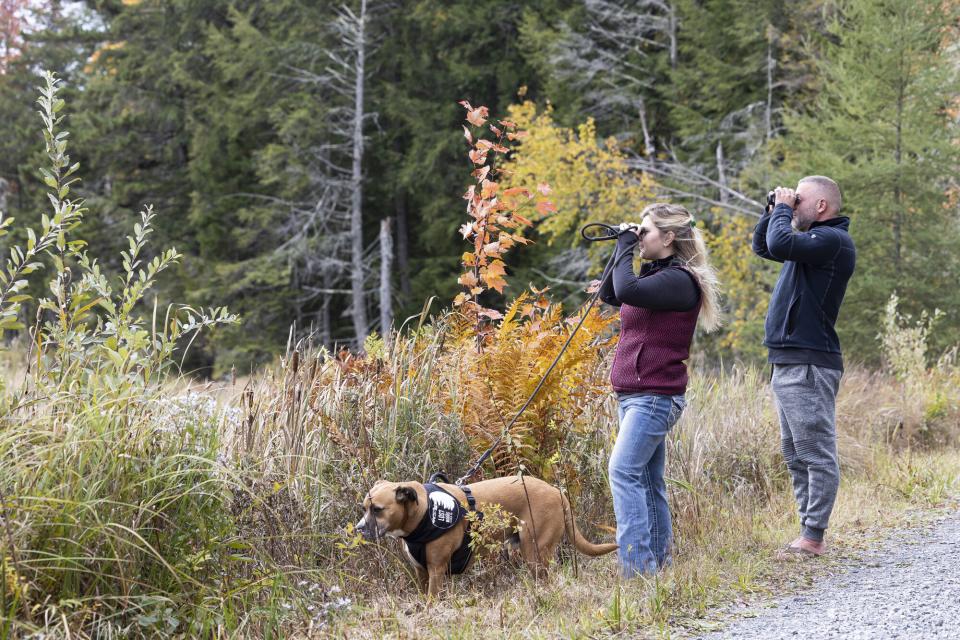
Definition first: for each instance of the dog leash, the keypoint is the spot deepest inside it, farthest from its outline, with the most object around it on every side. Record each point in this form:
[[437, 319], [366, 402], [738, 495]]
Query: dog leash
[[609, 233]]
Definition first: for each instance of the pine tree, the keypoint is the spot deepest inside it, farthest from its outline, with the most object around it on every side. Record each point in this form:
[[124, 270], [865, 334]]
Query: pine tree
[[721, 89], [612, 59], [142, 122], [883, 125], [432, 56], [34, 36]]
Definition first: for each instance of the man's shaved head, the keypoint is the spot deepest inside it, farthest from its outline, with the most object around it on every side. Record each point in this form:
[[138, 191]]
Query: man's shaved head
[[829, 190]]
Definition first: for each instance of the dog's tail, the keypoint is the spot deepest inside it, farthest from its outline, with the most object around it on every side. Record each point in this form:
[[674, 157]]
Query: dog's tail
[[583, 545]]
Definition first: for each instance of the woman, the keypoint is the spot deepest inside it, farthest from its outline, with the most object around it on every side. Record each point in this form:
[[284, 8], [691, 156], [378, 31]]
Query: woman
[[659, 310]]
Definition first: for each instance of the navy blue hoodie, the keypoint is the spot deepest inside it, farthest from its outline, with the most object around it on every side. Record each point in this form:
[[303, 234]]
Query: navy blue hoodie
[[817, 264]]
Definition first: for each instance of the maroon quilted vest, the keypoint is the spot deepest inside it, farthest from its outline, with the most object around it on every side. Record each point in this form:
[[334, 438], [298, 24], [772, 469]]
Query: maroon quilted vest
[[653, 349]]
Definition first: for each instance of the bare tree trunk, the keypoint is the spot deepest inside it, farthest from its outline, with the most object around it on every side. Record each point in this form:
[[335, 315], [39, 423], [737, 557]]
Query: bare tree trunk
[[897, 191], [356, 218], [648, 148], [771, 65], [325, 319], [298, 319], [673, 35], [721, 175], [403, 250], [386, 257]]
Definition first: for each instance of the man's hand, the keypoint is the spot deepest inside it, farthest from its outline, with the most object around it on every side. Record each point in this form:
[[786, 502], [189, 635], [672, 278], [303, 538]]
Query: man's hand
[[786, 196]]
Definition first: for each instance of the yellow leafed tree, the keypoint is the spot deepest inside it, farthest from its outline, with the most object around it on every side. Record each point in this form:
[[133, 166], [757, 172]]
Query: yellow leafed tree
[[590, 180], [747, 284]]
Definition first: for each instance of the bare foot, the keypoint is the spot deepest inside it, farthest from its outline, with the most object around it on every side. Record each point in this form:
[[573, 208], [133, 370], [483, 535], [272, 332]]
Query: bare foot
[[802, 548], [816, 547]]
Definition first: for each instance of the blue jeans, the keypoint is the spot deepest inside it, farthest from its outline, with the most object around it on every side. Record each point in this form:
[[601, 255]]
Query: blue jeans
[[639, 492]]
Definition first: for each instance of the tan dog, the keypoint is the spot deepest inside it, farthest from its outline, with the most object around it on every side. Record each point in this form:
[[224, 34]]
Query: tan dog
[[397, 509]]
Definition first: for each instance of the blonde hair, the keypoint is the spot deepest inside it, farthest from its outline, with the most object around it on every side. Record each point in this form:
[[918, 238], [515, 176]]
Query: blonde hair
[[692, 250]]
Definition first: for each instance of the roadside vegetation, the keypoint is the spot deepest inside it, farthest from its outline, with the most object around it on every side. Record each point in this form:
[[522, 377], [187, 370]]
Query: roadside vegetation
[[226, 511], [137, 502]]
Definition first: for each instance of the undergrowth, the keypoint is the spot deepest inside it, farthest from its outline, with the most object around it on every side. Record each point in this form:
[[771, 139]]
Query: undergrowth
[[135, 503]]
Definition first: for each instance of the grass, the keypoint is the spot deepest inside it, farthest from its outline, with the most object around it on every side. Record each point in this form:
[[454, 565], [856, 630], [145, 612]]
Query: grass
[[136, 503], [736, 566], [223, 511], [731, 513]]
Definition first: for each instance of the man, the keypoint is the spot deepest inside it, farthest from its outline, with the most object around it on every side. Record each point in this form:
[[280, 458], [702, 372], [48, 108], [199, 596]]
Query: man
[[806, 234]]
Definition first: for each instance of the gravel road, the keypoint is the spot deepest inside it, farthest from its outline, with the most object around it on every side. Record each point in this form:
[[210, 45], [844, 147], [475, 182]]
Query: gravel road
[[908, 588]]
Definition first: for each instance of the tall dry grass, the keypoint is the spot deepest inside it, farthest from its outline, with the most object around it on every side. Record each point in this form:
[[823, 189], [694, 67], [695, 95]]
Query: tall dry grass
[[135, 504], [162, 510], [327, 427], [166, 510]]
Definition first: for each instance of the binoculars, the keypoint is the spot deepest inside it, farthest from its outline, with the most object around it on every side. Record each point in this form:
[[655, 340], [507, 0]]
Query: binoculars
[[772, 200]]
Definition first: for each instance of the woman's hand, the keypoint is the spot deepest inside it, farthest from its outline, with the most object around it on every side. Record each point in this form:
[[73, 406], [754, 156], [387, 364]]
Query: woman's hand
[[630, 226]]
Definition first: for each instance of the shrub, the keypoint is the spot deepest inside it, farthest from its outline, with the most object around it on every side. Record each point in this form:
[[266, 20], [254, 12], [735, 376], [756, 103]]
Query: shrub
[[922, 406], [113, 499]]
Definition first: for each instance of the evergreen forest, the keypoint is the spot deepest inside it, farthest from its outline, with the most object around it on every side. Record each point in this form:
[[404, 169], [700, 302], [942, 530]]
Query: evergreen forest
[[307, 158]]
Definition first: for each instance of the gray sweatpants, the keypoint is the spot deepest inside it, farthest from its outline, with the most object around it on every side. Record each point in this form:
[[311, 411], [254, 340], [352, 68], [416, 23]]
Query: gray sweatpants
[[806, 403]]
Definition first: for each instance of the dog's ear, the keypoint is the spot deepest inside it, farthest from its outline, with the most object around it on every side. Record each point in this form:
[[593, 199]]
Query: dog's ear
[[406, 494]]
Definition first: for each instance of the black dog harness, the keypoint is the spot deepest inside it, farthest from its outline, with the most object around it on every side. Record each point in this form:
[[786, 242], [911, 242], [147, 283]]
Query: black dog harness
[[443, 512]]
